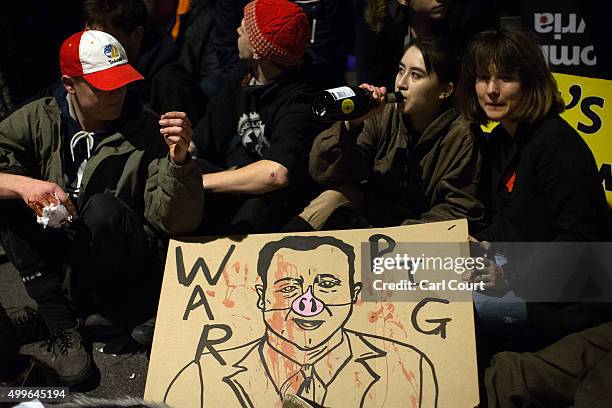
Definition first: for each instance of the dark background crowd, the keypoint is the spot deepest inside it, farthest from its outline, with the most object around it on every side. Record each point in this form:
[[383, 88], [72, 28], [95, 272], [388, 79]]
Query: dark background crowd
[[32, 32]]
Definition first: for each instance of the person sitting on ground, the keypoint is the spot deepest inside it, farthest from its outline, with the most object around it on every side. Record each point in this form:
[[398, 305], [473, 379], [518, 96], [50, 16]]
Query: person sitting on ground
[[257, 131], [539, 184], [123, 19], [384, 28], [417, 158], [187, 83], [325, 54], [573, 372], [149, 50], [94, 149]]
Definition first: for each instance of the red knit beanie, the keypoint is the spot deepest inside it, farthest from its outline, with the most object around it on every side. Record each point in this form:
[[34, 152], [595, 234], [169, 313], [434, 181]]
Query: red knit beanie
[[277, 29]]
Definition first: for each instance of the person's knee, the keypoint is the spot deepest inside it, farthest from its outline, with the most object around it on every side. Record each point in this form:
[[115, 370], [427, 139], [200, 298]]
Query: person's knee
[[325, 204], [503, 379], [255, 215], [505, 360], [15, 212], [105, 213], [506, 367], [339, 196], [28, 246]]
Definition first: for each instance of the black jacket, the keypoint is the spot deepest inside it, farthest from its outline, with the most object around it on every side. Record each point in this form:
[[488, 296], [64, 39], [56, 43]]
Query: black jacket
[[246, 123], [543, 186]]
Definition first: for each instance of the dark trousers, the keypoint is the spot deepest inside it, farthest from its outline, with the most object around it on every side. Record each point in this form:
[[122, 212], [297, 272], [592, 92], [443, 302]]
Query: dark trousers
[[103, 260], [233, 214], [230, 214]]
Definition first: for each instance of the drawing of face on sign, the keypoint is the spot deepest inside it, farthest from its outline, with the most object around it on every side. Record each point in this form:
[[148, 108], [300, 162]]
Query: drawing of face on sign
[[308, 288], [299, 324]]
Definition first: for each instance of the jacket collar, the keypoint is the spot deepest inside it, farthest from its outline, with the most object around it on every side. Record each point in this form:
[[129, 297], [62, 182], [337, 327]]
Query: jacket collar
[[435, 128], [132, 108], [521, 137], [291, 78], [330, 359]]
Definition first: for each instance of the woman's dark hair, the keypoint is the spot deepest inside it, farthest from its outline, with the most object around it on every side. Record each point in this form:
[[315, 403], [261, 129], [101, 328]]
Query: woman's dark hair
[[439, 56], [511, 53]]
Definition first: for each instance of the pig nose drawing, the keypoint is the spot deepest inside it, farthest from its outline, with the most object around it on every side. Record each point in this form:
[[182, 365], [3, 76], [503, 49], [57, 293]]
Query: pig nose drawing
[[307, 305]]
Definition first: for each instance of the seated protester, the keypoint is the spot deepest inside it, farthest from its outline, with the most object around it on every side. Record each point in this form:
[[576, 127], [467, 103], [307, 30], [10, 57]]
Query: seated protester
[[385, 27], [97, 151], [257, 132], [123, 19], [148, 48], [325, 55], [417, 158], [540, 182], [573, 372], [188, 83]]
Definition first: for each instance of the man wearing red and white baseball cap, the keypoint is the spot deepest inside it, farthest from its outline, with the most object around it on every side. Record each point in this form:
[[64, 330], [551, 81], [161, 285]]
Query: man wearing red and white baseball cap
[[259, 126], [94, 155], [93, 61], [97, 57]]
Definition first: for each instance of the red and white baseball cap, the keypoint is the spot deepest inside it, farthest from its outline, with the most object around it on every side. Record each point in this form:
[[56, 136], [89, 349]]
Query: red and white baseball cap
[[99, 58]]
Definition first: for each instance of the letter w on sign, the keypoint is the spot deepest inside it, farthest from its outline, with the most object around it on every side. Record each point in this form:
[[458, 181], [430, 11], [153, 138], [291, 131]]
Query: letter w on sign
[[200, 263]]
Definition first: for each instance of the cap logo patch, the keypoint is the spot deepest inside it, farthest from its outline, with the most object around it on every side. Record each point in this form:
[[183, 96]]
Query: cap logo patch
[[113, 54]]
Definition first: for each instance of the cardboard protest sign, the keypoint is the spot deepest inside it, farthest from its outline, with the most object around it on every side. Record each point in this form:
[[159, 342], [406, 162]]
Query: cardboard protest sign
[[244, 321]]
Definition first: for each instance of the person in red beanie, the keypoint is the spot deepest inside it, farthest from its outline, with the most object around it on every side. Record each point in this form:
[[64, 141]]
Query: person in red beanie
[[81, 174], [256, 135]]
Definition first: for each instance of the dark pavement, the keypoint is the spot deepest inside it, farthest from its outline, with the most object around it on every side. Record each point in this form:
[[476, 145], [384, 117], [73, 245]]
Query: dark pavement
[[122, 374]]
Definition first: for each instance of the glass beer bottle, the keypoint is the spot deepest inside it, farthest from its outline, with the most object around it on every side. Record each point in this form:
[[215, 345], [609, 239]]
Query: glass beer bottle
[[346, 103]]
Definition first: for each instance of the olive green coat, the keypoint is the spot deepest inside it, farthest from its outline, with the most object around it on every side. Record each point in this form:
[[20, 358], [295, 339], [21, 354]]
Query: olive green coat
[[438, 171], [132, 164]]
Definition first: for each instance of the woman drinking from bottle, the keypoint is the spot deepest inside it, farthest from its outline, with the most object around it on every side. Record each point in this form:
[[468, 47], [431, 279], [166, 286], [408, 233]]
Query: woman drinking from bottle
[[401, 163]]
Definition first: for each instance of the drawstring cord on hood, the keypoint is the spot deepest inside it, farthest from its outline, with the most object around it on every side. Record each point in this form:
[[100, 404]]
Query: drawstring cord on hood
[[78, 136], [89, 144]]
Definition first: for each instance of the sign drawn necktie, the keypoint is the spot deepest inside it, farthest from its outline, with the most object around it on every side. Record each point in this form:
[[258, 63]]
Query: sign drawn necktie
[[310, 388]]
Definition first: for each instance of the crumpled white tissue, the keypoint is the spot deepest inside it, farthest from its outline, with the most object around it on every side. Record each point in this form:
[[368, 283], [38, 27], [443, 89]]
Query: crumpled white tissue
[[54, 216]]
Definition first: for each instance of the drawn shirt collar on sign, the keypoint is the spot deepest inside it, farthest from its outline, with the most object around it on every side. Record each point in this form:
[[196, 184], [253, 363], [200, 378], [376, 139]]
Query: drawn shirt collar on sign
[[326, 362]]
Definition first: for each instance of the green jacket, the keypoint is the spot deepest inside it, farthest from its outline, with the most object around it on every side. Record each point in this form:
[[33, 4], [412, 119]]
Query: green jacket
[[438, 173], [132, 164]]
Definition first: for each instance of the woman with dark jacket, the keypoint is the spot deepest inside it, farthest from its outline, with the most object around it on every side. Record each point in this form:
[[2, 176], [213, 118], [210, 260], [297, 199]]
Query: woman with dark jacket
[[539, 181]]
